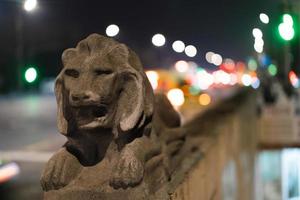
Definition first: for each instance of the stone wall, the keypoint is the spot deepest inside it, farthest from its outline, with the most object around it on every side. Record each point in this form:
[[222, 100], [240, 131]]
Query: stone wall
[[226, 170]]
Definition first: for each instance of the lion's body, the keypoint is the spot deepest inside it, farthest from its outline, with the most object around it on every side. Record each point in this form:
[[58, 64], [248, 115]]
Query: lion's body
[[106, 110]]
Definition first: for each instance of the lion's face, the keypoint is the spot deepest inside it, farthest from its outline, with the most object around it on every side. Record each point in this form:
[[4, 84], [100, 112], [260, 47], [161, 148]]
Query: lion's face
[[102, 85], [92, 88]]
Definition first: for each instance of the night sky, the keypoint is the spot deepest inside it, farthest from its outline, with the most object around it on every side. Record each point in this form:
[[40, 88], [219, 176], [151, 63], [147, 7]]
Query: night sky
[[223, 26]]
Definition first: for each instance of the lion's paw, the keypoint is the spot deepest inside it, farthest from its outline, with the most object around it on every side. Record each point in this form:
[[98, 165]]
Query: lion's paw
[[59, 171], [128, 172]]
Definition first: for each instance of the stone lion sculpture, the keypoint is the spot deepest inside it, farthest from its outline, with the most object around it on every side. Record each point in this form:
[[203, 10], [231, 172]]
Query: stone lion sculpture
[[113, 123]]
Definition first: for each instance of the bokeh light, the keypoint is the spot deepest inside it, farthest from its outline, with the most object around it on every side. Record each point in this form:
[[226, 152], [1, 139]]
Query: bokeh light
[[190, 51], [208, 56], [246, 80], [204, 79], [30, 75], [153, 78], [178, 46], [286, 31], [228, 65], [112, 30], [158, 40], [176, 97], [272, 69], [255, 83], [216, 59], [204, 99], [294, 79], [264, 18], [257, 33], [222, 77], [287, 19], [30, 5], [233, 79], [252, 64], [181, 66], [258, 48]]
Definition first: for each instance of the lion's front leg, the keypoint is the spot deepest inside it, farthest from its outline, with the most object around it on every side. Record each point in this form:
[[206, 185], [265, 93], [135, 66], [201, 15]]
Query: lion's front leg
[[60, 170], [129, 170]]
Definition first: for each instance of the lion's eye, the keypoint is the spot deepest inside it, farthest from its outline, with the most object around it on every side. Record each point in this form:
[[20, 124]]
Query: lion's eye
[[72, 72], [102, 72]]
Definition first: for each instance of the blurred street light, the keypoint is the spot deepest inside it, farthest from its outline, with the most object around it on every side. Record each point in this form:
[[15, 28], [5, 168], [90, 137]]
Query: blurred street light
[[204, 99], [255, 83], [272, 69], [258, 47], [286, 28], [153, 78], [30, 5], [181, 66], [158, 40], [190, 51], [257, 33], [259, 42], [208, 56], [246, 80], [176, 97], [30, 75], [252, 64], [216, 59], [112, 30], [178, 46], [264, 18]]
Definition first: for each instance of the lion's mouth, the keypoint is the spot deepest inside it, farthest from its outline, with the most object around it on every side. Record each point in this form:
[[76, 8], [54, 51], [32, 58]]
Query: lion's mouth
[[90, 116]]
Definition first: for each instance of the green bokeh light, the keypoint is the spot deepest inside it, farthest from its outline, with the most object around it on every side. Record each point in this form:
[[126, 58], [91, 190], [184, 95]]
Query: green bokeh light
[[252, 64], [272, 69], [286, 28]]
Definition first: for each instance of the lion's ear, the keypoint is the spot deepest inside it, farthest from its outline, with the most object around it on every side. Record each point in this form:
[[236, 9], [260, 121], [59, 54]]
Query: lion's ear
[[62, 123], [131, 102]]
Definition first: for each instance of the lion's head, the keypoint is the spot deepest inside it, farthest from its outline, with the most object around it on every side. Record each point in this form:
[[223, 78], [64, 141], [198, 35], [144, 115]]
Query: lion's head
[[102, 85]]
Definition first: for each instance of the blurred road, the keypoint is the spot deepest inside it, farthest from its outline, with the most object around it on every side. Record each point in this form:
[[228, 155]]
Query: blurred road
[[29, 137]]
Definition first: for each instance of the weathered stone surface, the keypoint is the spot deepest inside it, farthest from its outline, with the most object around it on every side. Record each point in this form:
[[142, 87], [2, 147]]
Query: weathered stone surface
[[117, 143], [123, 142]]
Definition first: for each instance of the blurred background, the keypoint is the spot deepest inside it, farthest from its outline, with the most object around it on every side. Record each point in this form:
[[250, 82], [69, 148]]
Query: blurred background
[[197, 52]]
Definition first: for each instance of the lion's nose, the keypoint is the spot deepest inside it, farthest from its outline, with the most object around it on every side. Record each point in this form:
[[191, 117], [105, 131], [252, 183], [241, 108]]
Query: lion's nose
[[80, 97]]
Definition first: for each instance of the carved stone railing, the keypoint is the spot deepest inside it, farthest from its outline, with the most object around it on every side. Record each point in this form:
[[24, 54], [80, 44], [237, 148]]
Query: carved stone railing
[[125, 143]]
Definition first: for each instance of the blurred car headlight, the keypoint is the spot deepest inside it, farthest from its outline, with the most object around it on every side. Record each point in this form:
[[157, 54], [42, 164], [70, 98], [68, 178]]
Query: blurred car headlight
[[8, 171]]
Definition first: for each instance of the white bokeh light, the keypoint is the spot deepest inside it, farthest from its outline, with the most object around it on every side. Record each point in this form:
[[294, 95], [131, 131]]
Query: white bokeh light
[[287, 19], [181, 66], [217, 59], [158, 40], [246, 79], [204, 79], [178, 46], [190, 51], [257, 33], [153, 78], [176, 97], [30, 5], [112, 30], [264, 18], [208, 56], [30, 75], [286, 31], [258, 48], [259, 41]]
